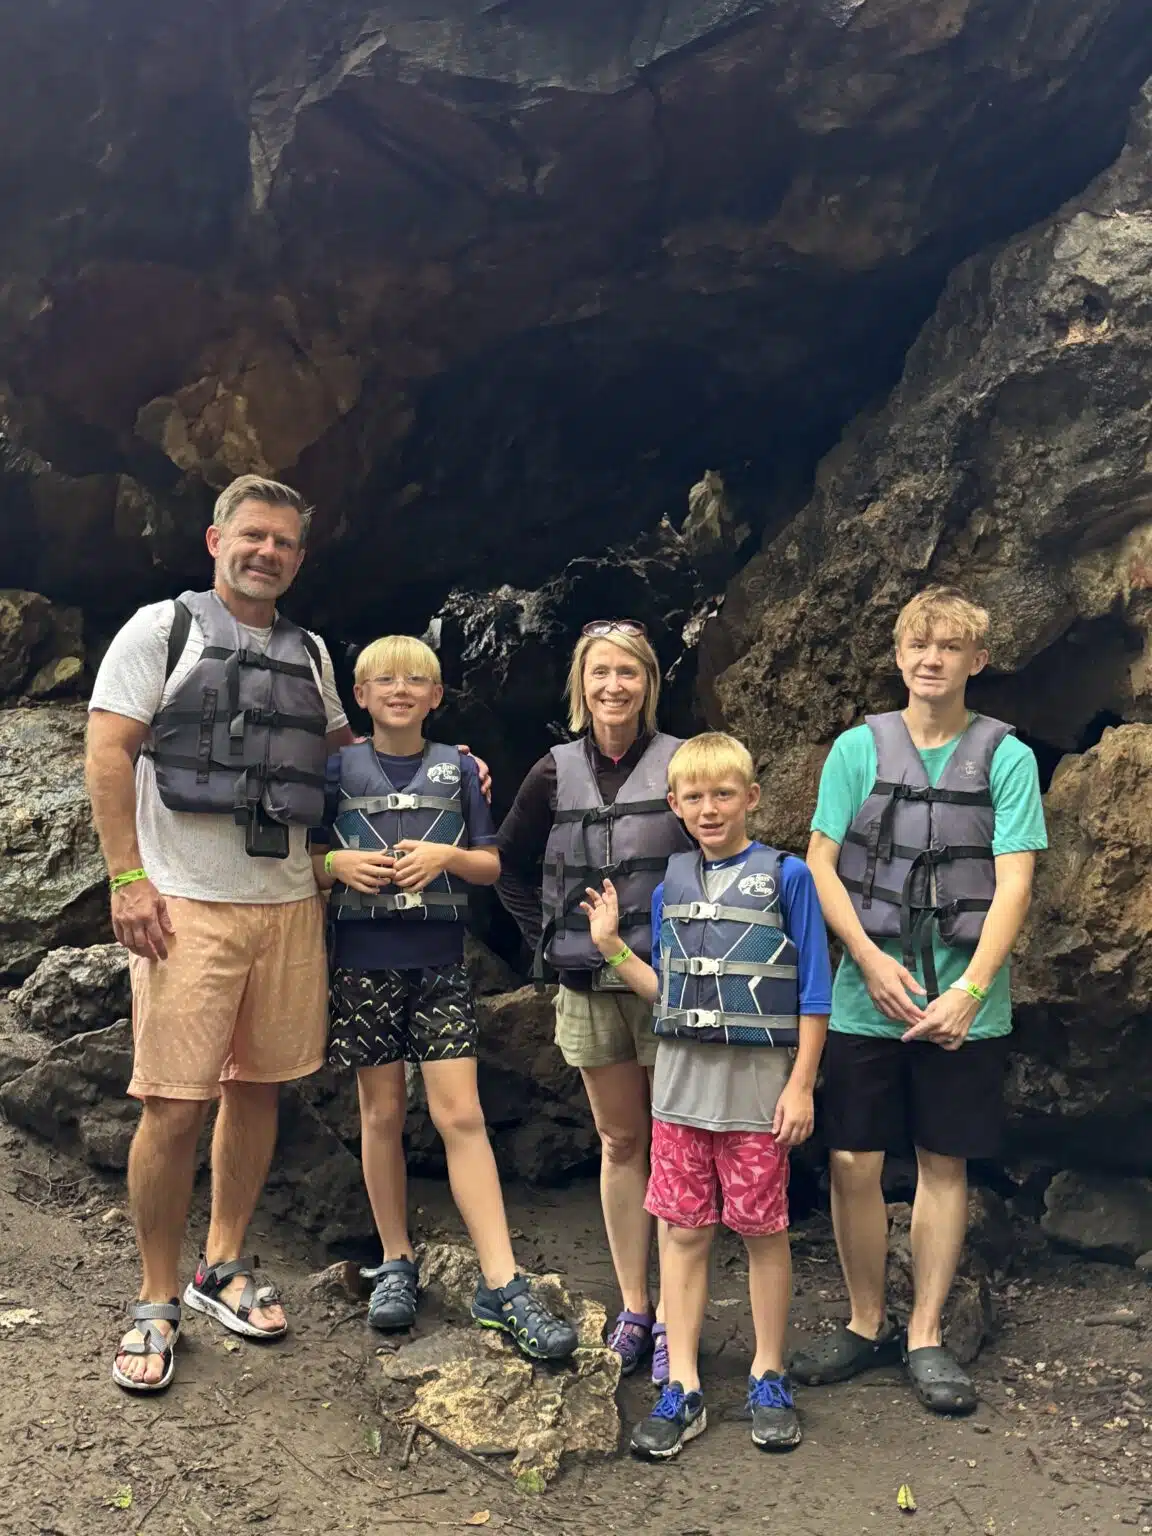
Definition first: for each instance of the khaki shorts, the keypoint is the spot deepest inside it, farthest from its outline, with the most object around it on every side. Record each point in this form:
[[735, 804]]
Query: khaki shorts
[[601, 1029], [242, 997]]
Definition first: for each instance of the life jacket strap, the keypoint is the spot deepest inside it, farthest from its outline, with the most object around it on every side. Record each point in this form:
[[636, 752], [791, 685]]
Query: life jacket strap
[[262, 772], [374, 805], [274, 719], [398, 901], [257, 659], [715, 912], [778, 1029], [701, 965], [611, 812]]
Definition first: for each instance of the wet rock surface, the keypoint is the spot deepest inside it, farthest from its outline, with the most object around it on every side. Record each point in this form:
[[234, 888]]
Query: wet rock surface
[[53, 886], [73, 991], [1098, 1215]]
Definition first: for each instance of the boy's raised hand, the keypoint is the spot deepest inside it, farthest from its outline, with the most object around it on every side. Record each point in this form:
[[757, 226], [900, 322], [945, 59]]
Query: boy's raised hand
[[602, 909], [366, 870]]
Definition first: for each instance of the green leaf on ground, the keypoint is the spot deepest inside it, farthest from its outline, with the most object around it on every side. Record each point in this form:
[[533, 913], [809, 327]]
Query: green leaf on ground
[[122, 1498]]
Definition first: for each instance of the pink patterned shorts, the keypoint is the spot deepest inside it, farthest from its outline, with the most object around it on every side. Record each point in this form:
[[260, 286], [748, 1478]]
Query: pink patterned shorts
[[700, 1178]]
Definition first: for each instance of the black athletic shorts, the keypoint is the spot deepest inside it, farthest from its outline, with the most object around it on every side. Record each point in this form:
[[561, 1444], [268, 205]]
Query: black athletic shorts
[[378, 1017], [883, 1096]]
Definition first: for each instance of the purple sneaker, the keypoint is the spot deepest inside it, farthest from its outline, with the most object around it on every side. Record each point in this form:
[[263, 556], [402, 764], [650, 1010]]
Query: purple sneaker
[[631, 1338], [660, 1370]]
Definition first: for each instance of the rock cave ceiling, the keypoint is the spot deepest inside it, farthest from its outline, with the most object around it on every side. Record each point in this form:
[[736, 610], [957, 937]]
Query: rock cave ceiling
[[491, 282]]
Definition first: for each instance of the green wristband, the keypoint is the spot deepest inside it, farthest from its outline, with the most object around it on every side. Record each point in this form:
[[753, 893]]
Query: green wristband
[[129, 877], [328, 857], [625, 954], [964, 985]]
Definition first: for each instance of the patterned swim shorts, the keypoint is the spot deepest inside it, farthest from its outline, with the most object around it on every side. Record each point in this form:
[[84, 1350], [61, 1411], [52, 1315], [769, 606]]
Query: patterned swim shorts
[[378, 1017], [700, 1178]]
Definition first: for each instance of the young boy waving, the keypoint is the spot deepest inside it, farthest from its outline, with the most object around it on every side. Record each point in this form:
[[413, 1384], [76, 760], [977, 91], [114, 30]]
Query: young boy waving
[[742, 987], [923, 846], [414, 830]]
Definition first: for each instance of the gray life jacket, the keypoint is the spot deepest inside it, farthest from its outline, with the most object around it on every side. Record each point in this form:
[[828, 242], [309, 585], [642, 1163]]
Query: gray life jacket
[[371, 813], [244, 732], [918, 858], [728, 970], [628, 842]]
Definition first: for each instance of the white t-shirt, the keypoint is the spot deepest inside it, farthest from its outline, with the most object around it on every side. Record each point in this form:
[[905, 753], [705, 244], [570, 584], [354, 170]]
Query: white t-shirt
[[186, 854]]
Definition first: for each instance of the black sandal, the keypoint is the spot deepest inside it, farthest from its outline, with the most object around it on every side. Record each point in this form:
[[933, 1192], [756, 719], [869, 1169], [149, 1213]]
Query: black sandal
[[145, 1315], [940, 1381], [203, 1295], [845, 1354]]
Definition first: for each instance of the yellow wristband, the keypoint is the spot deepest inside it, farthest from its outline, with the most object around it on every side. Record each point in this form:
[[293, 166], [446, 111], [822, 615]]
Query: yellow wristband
[[964, 985], [328, 857], [129, 877], [625, 954]]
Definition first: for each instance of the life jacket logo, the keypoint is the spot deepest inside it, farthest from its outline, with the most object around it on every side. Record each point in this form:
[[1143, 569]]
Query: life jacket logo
[[757, 885], [968, 769], [444, 773]]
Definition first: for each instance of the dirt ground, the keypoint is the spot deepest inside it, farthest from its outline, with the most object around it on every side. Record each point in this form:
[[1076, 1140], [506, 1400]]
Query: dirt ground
[[286, 1438]]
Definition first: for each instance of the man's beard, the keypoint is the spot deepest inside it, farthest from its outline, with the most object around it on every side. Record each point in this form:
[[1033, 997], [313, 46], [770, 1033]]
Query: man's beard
[[240, 580]]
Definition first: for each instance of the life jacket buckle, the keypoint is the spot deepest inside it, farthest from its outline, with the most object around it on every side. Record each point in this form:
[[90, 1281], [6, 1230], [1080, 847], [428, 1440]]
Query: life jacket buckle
[[404, 900], [702, 965], [397, 802], [702, 909], [702, 1018]]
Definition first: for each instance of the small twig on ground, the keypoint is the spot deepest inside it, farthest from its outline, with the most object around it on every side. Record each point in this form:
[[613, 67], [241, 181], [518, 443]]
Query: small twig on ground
[[953, 1499], [458, 1450], [340, 1321], [156, 1502], [299, 1460], [1037, 1460], [409, 1442]]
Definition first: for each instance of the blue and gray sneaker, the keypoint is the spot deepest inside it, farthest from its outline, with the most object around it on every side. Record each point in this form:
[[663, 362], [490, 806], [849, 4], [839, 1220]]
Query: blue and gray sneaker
[[394, 1294], [524, 1317], [661, 1370], [775, 1426], [678, 1417]]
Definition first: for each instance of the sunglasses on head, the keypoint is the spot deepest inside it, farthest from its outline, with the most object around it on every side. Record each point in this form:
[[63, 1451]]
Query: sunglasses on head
[[600, 627]]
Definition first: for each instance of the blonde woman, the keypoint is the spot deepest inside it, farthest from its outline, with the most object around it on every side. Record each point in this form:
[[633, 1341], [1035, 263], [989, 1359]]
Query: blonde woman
[[592, 809]]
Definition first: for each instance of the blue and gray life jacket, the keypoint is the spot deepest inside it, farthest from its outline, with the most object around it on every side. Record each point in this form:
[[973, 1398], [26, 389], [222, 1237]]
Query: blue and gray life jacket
[[918, 857], [244, 732], [728, 970], [628, 842], [372, 814]]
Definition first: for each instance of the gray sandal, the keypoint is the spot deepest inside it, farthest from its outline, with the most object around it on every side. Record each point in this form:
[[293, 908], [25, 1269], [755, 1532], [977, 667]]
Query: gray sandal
[[203, 1294], [941, 1382], [845, 1354], [145, 1315]]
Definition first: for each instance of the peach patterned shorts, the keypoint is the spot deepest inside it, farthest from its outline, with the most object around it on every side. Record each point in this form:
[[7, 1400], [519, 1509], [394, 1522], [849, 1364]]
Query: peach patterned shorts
[[242, 996]]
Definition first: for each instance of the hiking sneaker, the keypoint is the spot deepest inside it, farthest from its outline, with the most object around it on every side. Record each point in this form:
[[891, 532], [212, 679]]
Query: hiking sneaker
[[631, 1339], [525, 1319], [394, 1295], [678, 1417], [775, 1426], [661, 1370]]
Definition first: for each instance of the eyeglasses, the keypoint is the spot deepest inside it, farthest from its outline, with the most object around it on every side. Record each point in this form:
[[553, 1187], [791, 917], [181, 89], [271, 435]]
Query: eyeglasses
[[600, 627], [409, 680]]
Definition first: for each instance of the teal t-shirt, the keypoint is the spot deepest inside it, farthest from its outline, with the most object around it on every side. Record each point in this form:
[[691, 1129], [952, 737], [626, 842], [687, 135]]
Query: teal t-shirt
[[845, 784]]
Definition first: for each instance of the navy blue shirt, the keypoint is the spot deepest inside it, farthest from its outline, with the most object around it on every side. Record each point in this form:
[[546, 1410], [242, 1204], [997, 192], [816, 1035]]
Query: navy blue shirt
[[394, 943]]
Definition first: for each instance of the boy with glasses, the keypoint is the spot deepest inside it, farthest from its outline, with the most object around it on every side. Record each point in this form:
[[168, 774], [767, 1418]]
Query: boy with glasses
[[409, 829]]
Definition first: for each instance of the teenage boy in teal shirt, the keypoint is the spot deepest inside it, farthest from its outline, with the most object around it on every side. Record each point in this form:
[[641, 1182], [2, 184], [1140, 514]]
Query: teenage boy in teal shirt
[[917, 1051]]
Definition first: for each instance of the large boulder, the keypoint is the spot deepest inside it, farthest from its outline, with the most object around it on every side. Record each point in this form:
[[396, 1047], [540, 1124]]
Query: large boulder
[[53, 889], [1083, 979], [74, 1097], [1013, 460], [73, 991], [41, 646], [1099, 1215]]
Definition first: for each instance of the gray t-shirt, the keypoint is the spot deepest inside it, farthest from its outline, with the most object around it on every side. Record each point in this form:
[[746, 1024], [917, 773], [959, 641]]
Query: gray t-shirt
[[197, 856], [719, 1087]]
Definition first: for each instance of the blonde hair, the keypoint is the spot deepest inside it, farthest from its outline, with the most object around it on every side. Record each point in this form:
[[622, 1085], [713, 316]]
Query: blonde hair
[[269, 492], [637, 646], [397, 654], [942, 605], [710, 758]]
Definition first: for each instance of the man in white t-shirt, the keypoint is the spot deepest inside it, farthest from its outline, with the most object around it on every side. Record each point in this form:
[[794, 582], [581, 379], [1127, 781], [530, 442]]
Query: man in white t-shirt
[[229, 988]]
